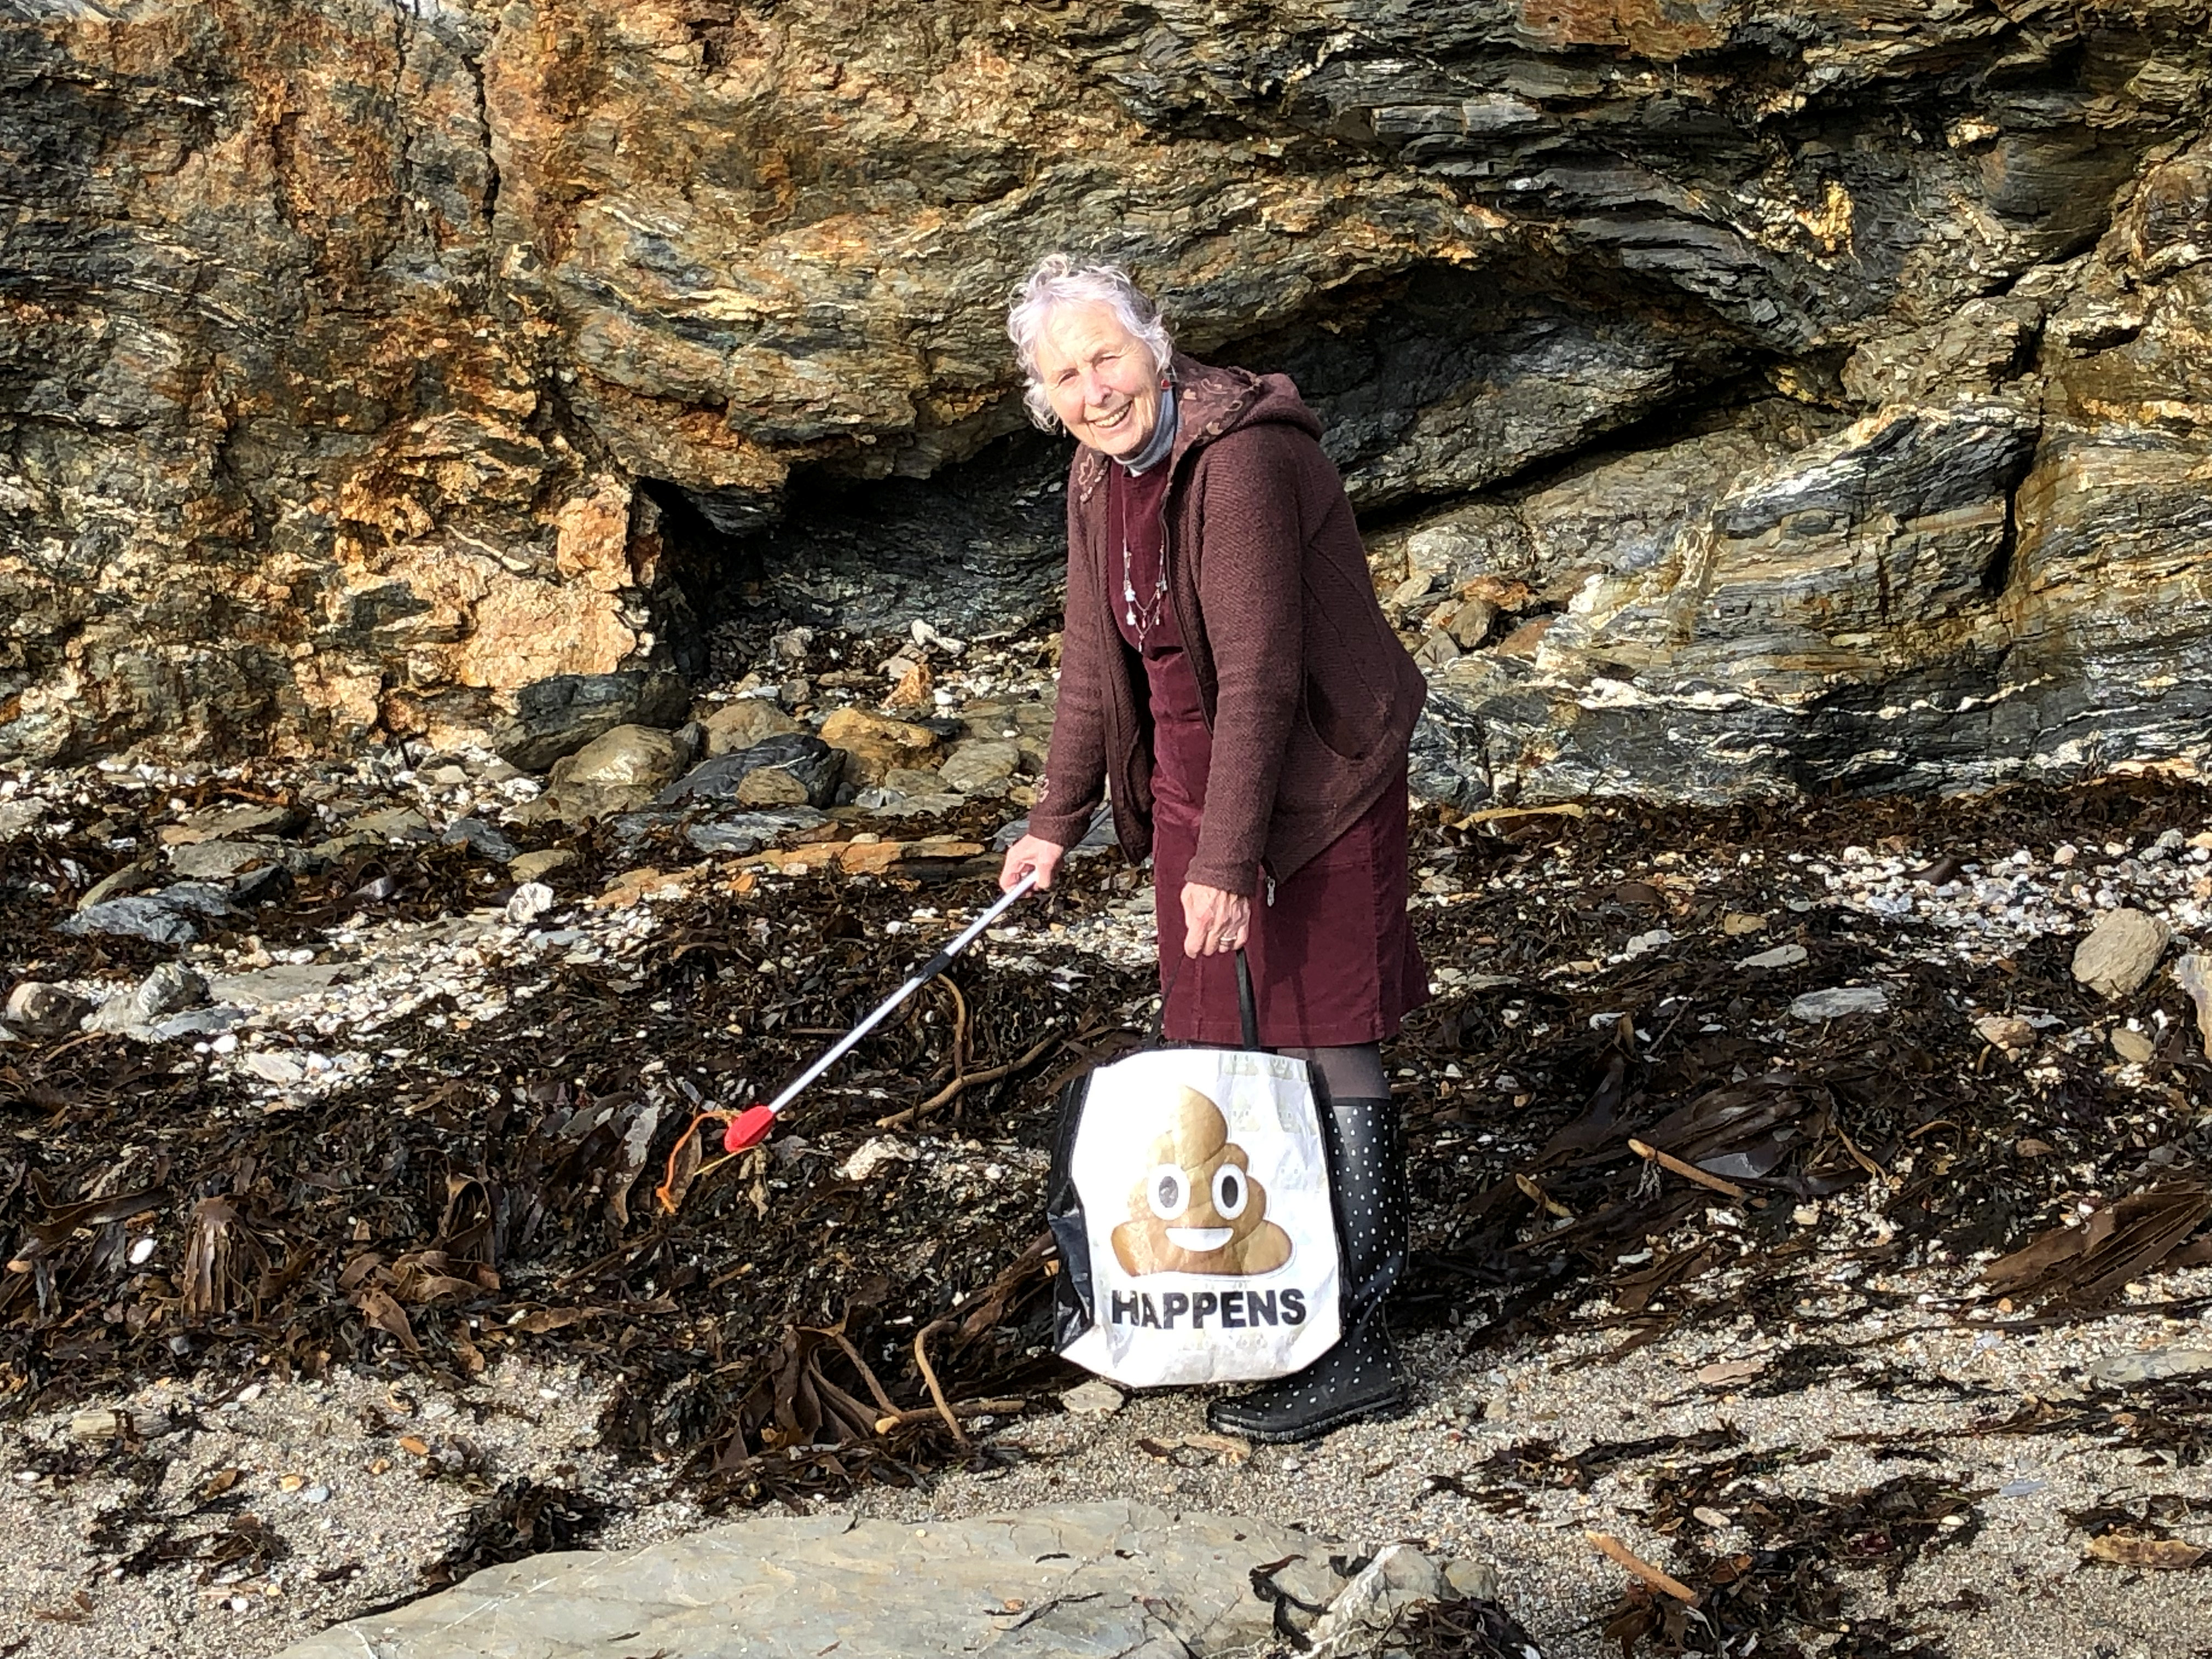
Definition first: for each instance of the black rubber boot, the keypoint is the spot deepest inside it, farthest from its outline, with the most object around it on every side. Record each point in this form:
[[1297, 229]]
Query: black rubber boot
[[1360, 1376]]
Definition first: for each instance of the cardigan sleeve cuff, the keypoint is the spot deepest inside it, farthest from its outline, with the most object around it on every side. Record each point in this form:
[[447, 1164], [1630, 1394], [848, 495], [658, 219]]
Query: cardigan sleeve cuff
[[1060, 829], [1240, 879]]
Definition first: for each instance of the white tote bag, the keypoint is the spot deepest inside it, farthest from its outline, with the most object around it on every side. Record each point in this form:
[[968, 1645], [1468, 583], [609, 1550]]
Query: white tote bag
[[1189, 1195]]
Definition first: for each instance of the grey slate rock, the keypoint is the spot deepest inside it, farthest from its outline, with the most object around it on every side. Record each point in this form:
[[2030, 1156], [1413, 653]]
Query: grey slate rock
[[748, 832], [559, 716], [1782, 956], [170, 989], [134, 918], [195, 1023], [245, 823], [1101, 1579], [981, 766], [393, 823], [221, 860], [1449, 762], [1097, 836], [482, 839], [271, 985], [814, 767], [162, 918]]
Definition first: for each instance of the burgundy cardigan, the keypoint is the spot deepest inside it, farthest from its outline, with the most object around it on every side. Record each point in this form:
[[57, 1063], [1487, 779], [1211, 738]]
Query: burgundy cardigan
[[1310, 698]]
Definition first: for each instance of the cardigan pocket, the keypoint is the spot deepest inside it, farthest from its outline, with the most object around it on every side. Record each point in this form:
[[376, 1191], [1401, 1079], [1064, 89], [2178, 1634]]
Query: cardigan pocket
[[1348, 732]]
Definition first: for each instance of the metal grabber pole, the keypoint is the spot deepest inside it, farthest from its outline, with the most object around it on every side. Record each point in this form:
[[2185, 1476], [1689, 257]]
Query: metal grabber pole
[[750, 1126]]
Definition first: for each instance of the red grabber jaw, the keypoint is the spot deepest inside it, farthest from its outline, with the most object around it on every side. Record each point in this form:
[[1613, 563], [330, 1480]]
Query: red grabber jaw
[[748, 1128]]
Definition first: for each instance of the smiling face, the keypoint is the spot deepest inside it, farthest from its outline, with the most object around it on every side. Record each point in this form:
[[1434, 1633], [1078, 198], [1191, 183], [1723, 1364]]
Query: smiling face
[[1198, 1210], [1100, 378]]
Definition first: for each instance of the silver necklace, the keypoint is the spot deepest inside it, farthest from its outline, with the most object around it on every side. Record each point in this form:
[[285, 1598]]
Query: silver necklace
[[1142, 620], [1146, 618]]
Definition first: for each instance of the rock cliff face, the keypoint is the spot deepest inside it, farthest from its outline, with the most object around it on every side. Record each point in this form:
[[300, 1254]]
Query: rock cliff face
[[1821, 392]]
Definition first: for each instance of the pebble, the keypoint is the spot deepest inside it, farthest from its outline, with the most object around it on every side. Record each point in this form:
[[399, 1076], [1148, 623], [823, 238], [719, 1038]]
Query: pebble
[[528, 902], [1782, 956], [2132, 1046], [1092, 1399], [2122, 951], [870, 1155], [2004, 1032], [1839, 1003]]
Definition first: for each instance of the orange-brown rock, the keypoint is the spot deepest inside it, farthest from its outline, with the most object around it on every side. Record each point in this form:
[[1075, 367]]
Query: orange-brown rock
[[350, 352], [875, 743]]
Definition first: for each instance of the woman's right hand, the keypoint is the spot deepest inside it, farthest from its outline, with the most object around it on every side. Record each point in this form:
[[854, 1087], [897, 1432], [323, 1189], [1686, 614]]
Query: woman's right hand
[[1031, 853]]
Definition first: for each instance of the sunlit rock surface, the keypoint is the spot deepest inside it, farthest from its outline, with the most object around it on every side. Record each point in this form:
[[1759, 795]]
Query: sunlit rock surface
[[1837, 385]]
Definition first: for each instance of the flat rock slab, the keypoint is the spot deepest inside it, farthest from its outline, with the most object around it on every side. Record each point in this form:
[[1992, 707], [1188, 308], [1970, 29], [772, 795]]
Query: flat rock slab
[[1110, 1578], [269, 987]]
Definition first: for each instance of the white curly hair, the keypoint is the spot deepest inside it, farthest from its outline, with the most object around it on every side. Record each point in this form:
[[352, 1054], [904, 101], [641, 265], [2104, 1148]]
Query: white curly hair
[[1060, 279]]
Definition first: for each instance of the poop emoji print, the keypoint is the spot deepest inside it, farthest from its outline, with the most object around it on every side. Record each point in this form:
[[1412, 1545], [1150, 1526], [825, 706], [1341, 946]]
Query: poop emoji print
[[1212, 1246], [1198, 1210]]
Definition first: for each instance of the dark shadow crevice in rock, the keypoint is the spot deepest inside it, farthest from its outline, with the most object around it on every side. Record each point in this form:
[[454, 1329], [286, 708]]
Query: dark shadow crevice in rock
[[977, 548]]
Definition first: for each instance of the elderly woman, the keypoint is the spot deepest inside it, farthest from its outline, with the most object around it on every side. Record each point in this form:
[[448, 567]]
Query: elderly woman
[[1226, 667]]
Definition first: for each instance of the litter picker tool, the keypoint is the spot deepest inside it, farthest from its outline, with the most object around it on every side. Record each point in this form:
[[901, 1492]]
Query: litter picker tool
[[750, 1126]]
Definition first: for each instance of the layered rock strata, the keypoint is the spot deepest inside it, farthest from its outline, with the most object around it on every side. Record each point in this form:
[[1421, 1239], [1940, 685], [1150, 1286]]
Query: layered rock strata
[[1834, 384]]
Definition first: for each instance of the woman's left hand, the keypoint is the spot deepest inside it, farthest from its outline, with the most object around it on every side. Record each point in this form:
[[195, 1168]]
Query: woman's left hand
[[1214, 921]]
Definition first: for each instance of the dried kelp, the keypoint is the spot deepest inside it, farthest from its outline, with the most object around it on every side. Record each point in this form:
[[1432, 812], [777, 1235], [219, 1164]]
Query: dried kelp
[[522, 1519], [1789, 1586], [787, 1329]]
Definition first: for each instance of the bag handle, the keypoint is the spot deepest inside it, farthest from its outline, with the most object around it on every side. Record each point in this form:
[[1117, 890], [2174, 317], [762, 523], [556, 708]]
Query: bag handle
[[1247, 1009], [1246, 1012]]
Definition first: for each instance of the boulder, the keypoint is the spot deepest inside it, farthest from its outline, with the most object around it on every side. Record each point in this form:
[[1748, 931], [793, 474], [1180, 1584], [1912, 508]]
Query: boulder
[[171, 917], [800, 780], [2121, 952], [1437, 649], [790, 768], [1098, 1578], [1470, 623], [222, 860], [480, 838], [1027, 722], [981, 766], [875, 743], [747, 832], [559, 716], [2133, 1047], [392, 824], [623, 757], [742, 722]]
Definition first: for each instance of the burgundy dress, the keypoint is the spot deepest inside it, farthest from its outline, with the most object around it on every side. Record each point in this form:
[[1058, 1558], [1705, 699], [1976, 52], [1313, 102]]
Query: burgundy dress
[[1332, 958]]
